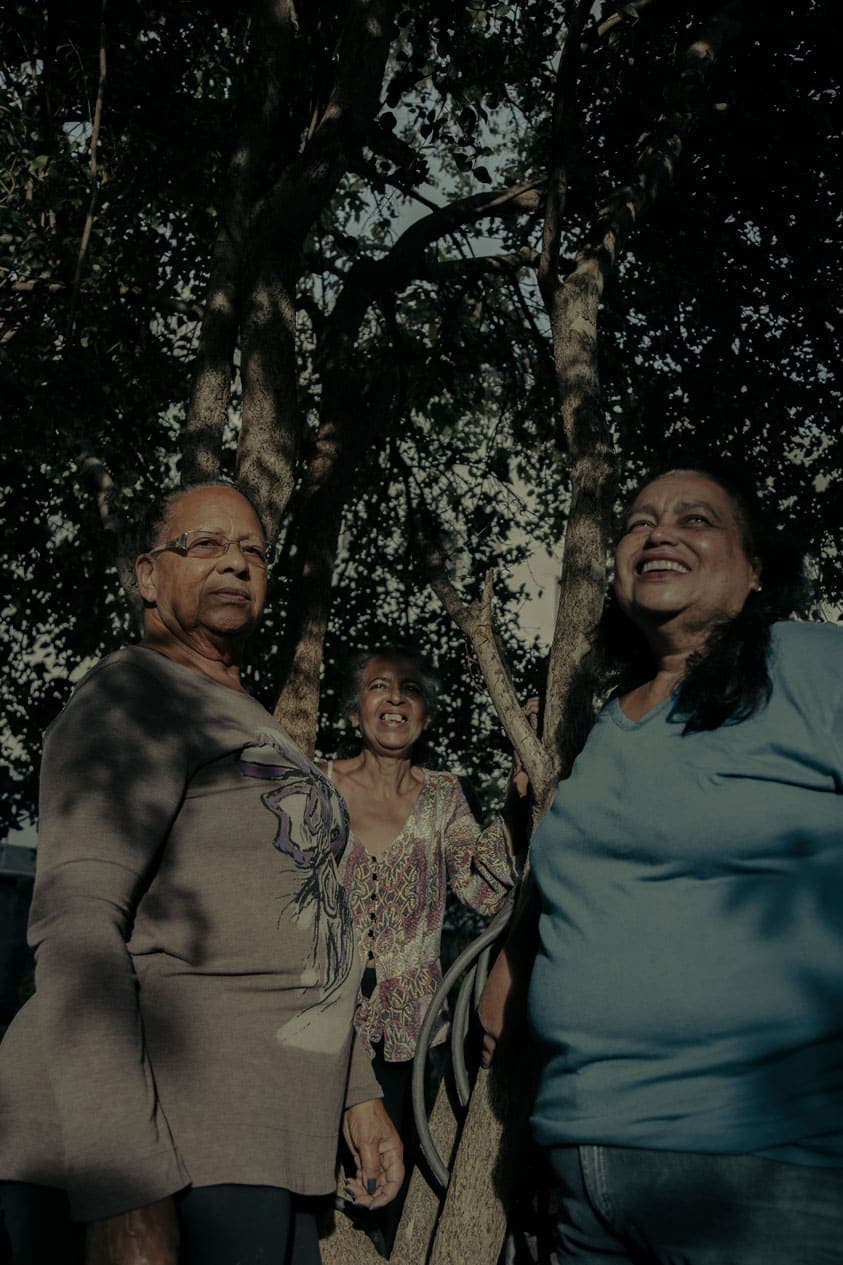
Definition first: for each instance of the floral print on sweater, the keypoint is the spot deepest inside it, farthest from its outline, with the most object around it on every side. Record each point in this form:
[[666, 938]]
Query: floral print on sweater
[[397, 901]]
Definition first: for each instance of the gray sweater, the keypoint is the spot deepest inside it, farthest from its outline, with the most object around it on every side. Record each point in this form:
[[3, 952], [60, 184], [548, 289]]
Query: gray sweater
[[196, 973]]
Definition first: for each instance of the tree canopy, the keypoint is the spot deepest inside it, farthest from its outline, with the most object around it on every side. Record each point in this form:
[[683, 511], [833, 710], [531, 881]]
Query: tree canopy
[[306, 248]]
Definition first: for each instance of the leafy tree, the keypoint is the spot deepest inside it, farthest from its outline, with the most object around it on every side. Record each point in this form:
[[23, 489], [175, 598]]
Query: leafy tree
[[363, 256]]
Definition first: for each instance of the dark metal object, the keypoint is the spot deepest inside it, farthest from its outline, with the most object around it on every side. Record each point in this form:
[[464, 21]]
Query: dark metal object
[[473, 962]]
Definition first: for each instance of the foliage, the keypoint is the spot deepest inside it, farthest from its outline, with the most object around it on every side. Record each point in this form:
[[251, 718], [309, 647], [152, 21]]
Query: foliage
[[719, 320]]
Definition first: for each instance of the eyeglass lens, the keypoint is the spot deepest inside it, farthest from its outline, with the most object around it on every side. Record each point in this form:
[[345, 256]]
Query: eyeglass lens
[[206, 544]]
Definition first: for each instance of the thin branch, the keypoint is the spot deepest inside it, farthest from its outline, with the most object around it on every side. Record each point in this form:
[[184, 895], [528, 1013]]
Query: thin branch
[[476, 622], [628, 15], [94, 178], [561, 146], [442, 269], [387, 145]]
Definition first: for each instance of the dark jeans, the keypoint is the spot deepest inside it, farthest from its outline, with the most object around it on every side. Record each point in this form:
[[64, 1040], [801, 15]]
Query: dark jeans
[[618, 1205], [220, 1225]]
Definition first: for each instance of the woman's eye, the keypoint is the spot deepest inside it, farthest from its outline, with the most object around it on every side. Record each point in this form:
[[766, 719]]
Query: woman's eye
[[254, 551], [698, 518], [639, 522]]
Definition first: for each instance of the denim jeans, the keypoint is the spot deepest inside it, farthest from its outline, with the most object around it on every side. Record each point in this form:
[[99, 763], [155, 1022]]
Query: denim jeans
[[620, 1205]]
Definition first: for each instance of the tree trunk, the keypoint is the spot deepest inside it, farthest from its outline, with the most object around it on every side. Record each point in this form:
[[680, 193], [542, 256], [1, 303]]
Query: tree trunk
[[271, 120]]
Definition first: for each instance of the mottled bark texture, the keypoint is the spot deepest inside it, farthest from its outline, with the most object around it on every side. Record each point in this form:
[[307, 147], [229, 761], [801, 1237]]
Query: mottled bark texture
[[279, 185], [271, 119]]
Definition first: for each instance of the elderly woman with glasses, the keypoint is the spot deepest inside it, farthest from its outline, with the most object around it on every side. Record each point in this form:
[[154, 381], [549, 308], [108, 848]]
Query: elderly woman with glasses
[[183, 1068]]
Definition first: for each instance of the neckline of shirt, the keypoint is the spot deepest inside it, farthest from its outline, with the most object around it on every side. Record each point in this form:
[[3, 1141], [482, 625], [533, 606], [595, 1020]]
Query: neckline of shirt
[[378, 856], [617, 714]]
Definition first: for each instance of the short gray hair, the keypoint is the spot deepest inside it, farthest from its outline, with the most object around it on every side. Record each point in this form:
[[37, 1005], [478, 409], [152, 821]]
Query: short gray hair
[[351, 685]]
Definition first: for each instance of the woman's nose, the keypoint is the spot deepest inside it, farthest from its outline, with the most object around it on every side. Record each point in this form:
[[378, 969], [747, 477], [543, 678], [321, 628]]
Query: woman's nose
[[234, 559], [660, 534]]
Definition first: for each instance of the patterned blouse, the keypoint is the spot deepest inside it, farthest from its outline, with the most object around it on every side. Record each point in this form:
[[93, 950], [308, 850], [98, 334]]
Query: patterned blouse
[[397, 903]]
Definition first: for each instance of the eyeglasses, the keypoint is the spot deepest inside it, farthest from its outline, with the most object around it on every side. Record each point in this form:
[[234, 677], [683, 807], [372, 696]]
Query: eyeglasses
[[213, 544]]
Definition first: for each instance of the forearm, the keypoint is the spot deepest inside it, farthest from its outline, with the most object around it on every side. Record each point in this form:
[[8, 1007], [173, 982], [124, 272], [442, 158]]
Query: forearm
[[516, 813], [503, 999]]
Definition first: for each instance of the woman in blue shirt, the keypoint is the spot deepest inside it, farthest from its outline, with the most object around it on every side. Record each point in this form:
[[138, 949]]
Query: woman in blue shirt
[[687, 990]]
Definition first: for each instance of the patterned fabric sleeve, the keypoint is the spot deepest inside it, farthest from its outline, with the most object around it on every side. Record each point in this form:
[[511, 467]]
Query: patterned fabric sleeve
[[480, 865]]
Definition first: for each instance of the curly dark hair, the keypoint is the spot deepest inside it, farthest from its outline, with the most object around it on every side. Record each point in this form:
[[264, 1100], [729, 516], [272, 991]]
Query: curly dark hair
[[728, 679]]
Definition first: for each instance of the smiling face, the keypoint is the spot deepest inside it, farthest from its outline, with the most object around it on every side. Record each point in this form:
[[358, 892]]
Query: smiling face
[[391, 710], [682, 556], [202, 602]]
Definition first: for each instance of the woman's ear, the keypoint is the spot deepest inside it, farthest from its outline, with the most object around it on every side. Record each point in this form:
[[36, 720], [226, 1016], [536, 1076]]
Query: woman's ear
[[354, 719], [145, 572]]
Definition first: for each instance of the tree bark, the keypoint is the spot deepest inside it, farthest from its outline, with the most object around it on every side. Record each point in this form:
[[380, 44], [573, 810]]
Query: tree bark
[[271, 119], [270, 431]]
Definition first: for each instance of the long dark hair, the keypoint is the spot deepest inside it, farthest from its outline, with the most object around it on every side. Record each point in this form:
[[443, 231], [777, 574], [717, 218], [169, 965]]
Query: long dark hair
[[728, 679]]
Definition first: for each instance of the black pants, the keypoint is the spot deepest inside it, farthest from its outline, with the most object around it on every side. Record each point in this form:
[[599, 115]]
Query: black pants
[[220, 1225], [395, 1079]]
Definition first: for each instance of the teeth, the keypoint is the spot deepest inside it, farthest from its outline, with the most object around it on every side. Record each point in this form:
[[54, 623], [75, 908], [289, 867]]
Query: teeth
[[393, 716], [663, 564]]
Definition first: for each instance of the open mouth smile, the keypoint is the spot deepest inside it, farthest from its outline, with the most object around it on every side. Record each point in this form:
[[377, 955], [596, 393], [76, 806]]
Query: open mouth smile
[[393, 719], [661, 564]]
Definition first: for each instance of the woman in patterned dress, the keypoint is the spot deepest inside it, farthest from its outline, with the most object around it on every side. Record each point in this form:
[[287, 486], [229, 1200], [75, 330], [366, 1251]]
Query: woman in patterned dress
[[413, 835]]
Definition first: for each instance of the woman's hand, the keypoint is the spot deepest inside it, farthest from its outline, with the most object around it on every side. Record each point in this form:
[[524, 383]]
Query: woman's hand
[[142, 1236], [378, 1154], [519, 775]]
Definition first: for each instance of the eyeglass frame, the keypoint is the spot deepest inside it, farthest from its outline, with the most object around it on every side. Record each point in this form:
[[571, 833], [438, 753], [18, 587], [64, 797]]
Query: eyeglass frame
[[179, 545]]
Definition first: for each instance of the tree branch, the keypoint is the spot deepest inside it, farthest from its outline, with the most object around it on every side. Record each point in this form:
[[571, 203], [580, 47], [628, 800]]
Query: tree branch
[[476, 622], [628, 15], [561, 145], [406, 260], [87, 228], [442, 269]]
